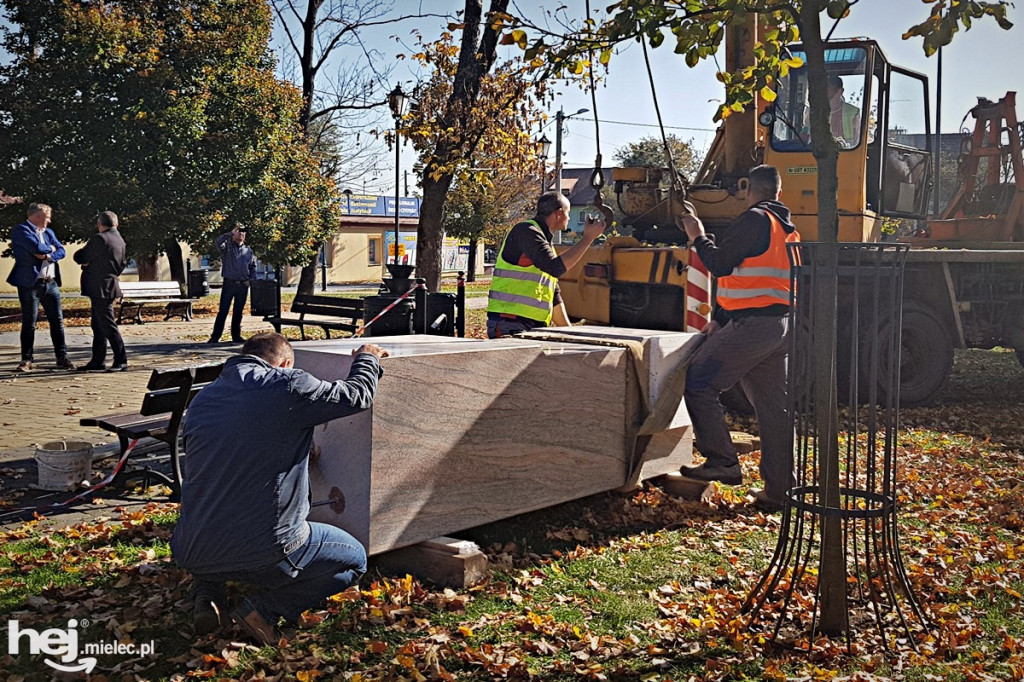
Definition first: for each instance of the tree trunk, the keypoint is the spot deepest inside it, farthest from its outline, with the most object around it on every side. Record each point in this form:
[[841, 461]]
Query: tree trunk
[[476, 57], [832, 576], [146, 267], [471, 265], [307, 276], [176, 260], [430, 231]]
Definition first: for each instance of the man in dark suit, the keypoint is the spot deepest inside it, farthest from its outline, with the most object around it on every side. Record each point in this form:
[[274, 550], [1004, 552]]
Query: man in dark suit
[[36, 274], [102, 260]]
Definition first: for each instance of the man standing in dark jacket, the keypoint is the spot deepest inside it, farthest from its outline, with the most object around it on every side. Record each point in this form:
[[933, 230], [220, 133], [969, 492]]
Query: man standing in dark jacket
[[747, 340], [238, 268], [36, 274], [103, 260], [245, 493]]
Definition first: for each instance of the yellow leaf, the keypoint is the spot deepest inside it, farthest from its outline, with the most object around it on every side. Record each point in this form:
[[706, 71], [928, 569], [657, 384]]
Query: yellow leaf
[[465, 632], [307, 675], [767, 94]]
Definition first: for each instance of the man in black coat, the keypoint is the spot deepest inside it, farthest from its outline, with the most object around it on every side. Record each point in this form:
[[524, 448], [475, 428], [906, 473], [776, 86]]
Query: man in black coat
[[103, 260]]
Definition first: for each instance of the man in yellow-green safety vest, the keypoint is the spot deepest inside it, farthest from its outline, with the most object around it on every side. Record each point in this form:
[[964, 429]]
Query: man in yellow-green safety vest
[[524, 290], [845, 117]]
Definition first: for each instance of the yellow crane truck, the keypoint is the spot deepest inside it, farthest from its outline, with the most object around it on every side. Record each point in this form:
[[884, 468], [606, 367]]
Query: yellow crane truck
[[964, 276]]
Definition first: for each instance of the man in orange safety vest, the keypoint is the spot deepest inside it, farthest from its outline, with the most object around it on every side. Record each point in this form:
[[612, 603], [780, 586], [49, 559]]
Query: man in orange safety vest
[[747, 339]]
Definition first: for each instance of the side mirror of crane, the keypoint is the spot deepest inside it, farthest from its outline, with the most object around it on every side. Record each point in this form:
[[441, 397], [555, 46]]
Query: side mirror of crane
[[767, 117]]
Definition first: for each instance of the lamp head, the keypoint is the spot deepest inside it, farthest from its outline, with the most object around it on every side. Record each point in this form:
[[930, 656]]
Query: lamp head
[[398, 101], [545, 146]]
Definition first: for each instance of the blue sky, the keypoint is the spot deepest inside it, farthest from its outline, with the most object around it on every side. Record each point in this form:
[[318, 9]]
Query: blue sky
[[985, 61]]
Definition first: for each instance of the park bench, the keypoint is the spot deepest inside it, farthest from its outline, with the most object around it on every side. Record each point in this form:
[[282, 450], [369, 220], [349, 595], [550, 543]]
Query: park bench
[[136, 295], [169, 393], [327, 312]]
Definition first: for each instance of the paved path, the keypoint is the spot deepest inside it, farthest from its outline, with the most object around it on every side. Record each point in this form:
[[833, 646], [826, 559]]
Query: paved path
[[46, 405]]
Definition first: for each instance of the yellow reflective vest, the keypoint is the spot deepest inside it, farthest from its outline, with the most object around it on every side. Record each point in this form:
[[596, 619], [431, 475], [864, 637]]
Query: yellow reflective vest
[[524, 291]]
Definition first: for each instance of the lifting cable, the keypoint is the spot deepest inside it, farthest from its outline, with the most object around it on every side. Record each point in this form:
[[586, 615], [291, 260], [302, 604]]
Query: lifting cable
[[597, 177], [678, 184]]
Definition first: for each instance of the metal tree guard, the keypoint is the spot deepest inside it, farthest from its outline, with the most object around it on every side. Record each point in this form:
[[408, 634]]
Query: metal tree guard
[[862, 515]]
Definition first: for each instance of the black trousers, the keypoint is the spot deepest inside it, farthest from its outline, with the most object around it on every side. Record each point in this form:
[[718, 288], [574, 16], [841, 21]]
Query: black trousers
[[233, 295], [104, 331]]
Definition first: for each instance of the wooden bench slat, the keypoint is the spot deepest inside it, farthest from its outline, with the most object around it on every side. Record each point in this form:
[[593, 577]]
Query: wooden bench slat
[[347, 313], [339, 311], [167, 378]]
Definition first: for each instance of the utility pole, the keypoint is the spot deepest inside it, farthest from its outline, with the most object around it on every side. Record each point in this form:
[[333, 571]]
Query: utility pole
[[560, 118]]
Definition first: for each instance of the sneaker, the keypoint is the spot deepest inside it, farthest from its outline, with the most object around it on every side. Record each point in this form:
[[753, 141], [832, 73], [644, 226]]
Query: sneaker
[[213, 342], [765, 503], [64, 363], [123, 367], [25, 366], [89, 367], [206, 616], [730, 475], [254, 625]]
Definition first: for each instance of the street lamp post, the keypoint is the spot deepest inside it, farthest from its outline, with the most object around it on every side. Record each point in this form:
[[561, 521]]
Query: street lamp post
[[397, 100], [560, 118], [545, 147]]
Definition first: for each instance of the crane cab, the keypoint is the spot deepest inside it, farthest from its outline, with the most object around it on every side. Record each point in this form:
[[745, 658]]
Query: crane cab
[[880, 120]]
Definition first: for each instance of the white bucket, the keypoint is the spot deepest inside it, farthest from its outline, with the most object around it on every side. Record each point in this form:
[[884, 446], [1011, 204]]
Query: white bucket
[[63, 465]]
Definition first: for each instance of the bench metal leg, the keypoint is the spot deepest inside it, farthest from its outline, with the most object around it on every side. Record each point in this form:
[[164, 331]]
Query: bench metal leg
[[176, 468]]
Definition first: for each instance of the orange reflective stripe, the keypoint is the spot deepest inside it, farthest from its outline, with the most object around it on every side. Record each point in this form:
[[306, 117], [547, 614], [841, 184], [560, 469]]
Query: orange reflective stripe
[[763, 280]]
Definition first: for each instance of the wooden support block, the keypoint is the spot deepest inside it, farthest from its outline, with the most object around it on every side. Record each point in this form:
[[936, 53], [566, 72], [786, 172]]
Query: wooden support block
[[687, 488], [443, 561], [744, 442]]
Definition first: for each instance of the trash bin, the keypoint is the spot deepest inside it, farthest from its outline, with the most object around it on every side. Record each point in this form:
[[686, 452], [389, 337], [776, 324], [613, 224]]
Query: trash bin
[[263, 299], [395, 322], [440, 311], [198, 283]]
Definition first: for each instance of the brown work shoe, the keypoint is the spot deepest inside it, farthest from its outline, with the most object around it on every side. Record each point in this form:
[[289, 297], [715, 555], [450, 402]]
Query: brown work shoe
[[25, 366], [254, 625], [65, 363]]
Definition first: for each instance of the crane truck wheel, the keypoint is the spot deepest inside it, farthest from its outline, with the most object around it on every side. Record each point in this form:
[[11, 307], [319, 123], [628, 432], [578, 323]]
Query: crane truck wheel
[[926, 357]]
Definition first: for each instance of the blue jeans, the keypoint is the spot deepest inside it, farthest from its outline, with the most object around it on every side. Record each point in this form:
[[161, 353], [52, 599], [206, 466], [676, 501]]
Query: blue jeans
[[232, 292], [48, 294], [330, 562]]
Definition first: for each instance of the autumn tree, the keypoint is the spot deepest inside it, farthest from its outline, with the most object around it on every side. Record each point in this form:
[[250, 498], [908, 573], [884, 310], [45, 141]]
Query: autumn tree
[[168, 114], [650, 151], [464, 112], [482, 205]]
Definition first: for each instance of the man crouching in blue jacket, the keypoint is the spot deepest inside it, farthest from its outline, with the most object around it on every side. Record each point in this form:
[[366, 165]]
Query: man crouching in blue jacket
[[245, 494]]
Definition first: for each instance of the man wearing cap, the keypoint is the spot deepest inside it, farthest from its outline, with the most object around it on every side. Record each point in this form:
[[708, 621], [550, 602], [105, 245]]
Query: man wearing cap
[[237, 268]]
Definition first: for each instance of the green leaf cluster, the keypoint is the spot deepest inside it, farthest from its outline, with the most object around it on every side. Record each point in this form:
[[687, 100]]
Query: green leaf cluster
[[947, 16], [168, 113]]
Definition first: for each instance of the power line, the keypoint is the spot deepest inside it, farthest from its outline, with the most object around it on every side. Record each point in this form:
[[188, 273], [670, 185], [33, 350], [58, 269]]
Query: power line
[[647, 125]]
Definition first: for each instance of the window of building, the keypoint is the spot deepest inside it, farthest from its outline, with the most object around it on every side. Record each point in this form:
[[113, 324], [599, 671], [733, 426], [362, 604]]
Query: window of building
[[374, 249]]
